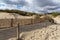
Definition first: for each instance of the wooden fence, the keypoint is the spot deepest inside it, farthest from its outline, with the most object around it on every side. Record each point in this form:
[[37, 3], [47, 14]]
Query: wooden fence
[[14, 22]]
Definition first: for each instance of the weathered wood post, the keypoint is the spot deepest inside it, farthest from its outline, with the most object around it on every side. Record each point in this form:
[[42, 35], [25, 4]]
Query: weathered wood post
[[15, 15], [18, 32], [11, 22]]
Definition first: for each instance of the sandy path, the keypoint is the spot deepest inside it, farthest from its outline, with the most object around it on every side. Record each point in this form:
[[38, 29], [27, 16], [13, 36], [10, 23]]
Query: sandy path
[[7, 33]]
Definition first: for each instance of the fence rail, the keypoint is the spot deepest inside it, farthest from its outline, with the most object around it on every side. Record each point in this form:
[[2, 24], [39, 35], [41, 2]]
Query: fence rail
[[13, 23]]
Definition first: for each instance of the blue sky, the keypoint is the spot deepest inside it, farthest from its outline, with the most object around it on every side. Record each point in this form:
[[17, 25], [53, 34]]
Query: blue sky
[[38, 6]]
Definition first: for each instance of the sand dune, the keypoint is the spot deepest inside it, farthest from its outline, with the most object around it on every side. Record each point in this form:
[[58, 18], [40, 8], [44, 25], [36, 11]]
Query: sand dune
[[41, 31], [50, 32]]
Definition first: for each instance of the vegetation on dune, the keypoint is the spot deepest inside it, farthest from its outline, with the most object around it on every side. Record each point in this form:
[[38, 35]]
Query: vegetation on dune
[[23, 13], [37, 16], [19, 12], [55, 14]]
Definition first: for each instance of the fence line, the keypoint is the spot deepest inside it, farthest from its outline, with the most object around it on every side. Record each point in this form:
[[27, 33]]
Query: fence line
[[14, 23]]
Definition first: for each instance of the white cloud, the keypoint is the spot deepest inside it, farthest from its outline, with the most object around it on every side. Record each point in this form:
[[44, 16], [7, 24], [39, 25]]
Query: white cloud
[[6, 6], [14, 0], [31, 5], [56, 1], [42, 5], [29, 1]]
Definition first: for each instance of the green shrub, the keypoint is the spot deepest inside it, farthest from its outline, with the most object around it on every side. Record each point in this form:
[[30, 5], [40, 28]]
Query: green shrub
[[55, 14]]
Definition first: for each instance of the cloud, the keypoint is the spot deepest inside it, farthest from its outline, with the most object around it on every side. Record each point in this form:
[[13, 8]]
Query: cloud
[[11, 4], [42, 3], [42, 6], [15, 2], [56, 1], [7, 6]]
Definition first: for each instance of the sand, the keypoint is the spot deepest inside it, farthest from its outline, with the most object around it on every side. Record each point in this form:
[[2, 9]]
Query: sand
[[4, 15], [57, 19], [46, 31], [41, 31]]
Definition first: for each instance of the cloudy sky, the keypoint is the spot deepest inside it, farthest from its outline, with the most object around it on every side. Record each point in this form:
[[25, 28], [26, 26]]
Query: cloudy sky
[[42, 6]]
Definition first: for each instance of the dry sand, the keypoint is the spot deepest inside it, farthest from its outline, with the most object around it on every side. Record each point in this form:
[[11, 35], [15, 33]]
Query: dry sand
[[45, 31], [41, 31], [4, 15], [57, 19]]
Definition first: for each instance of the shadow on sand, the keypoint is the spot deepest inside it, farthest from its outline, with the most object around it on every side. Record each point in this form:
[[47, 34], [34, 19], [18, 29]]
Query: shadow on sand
[[32, 27]]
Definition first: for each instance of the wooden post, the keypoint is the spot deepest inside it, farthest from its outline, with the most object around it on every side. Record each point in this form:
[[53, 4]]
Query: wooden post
[[11, 22], [17, 27], [17, 32]]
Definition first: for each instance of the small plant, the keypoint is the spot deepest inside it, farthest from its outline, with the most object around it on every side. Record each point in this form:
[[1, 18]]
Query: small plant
[[49, 19], [37, 16]]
